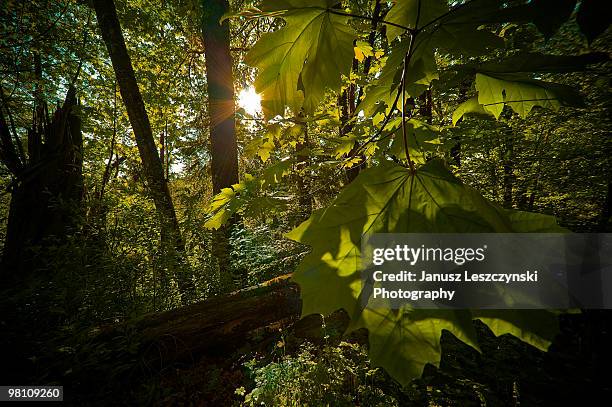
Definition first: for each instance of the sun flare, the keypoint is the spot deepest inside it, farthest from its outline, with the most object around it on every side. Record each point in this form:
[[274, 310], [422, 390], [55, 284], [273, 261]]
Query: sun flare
[[250, 101]]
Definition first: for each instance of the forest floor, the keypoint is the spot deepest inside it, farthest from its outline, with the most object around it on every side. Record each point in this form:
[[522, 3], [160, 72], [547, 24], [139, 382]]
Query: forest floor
[[508, 372], [117, 367]]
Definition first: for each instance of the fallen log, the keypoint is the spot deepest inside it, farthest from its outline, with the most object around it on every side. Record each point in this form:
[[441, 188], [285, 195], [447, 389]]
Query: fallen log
[[220, 330], [220, 325]]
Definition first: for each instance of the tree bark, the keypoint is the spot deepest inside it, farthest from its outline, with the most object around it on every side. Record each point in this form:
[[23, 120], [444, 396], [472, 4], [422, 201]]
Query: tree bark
[[353, 172], [303, 180], [221, 110], [224, 148], [110, 28], [508, 165], [47, 189]]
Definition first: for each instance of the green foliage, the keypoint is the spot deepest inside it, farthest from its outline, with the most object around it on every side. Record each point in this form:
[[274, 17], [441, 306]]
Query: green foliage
[[260, 250], [413, 14], [334, 375], [508, 82], [249, 197], [421, 139], [522, 94], [313, 49], [418, 194], [390, 199], [470, 106], [472, 58]]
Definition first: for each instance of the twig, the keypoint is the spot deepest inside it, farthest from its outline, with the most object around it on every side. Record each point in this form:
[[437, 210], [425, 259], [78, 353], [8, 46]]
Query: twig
[[341, 13]]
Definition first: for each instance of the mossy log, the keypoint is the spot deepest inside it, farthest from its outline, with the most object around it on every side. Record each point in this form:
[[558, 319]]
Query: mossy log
[[220, 326]]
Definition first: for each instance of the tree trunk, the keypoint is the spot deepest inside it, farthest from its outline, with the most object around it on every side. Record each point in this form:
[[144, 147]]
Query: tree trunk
[[353, 172], [303, 180], [171, 241], [508, 164], [221, 110], [47, 190], [455, 151]]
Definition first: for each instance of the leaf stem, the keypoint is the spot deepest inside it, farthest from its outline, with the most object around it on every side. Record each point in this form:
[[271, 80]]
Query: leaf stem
[[403, 90], [407, 58], [342, 13], [442, 16], [379, 132]]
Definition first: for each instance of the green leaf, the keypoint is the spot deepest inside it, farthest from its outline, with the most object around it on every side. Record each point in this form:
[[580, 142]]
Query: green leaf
[[527, 63], [547, 15], [406, 13], [536, 327], [522, 94], [404, 341], [363, 50], [391, 199], [470, 106], [533, 62], [260, 206], [248, 197], [345, 146], [421, 138], [385, 199], [276, 172], [297, 63], [377, 96], [528, 222], [465, 39], [422, 70], [265, 149], [222, 208]]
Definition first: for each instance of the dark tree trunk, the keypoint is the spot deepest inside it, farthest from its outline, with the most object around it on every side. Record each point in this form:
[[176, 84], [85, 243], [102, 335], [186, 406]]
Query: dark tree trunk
[[303, 180], [508, 165], [47, 190], [426, 106], [347, 110], [221, 110], [219, 76], [351, 173], [110, 28], [455, 151]]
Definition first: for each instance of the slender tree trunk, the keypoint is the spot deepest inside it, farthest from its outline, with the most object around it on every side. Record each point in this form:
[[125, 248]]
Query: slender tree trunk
[[221, 110], [426, 106], [108, 23], [303, 180], [352, 172], [508, 164], [347, 104], [455, 151]]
